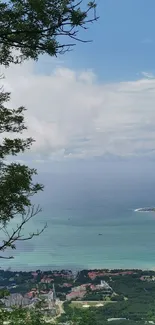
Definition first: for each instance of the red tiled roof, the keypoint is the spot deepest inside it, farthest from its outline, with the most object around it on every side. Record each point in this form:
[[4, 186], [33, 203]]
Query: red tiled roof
[[75, 294], [34, 273], [30, 294], [68, 285], [92, 275], [46, 280], [92, 287]]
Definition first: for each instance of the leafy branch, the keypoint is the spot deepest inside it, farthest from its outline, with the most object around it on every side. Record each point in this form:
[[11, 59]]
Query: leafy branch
[[16, 234], [35, 27]]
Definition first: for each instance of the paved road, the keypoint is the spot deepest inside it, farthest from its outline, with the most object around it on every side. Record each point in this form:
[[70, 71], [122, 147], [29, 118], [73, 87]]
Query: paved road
[[60, 305]]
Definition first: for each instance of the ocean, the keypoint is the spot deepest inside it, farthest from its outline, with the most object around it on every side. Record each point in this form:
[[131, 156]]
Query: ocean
[[78, 209]]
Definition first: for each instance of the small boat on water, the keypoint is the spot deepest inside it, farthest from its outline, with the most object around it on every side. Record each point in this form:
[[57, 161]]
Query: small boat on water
[[100, 234]]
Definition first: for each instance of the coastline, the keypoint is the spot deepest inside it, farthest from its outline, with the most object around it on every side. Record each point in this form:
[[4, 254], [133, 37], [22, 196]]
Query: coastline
[[145, 210], [77, 269]]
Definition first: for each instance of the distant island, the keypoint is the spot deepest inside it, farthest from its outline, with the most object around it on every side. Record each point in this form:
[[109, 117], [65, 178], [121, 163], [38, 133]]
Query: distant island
[[145, 210]]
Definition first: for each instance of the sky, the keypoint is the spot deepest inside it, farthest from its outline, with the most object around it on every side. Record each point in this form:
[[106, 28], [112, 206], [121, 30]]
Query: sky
[[96, 102]]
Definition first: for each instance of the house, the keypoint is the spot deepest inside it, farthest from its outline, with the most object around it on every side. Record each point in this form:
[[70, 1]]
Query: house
[[66, 285], [103, 286], [46, 280], [147, 278], [33, 302], [75, 295], [81, 288], [93, 287], [34, 274], [85, 286], [15, 299], [92, 275], [30, 294], [126, 273]]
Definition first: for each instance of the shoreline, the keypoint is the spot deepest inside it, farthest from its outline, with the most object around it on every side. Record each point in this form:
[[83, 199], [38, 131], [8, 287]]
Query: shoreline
[[145, 210], [77, 269]]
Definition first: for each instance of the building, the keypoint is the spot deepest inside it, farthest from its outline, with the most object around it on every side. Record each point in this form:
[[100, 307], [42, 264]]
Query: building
[[75, 295], [66, 285], [94, 274], [51, 299], [46, 280], [147, 278], [30, 294], [34, 274], [15, 299], [80, 288], [105, 285]]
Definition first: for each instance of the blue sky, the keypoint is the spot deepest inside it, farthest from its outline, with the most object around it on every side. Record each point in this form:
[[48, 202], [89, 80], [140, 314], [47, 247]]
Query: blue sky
[[123, 41]]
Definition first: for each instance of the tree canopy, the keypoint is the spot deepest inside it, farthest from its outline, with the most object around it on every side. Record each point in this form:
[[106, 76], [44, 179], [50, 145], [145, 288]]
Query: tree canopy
[[29, 28], [16, 180], [41, 26]]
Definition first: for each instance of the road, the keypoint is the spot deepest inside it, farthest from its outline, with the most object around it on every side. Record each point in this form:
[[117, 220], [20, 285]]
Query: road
[[60, 305]]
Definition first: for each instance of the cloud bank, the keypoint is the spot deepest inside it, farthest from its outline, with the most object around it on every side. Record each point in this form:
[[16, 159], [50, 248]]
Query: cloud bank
[[71, 115]]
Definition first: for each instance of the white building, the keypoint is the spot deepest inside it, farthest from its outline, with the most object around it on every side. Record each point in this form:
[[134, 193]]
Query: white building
[[105, 286]]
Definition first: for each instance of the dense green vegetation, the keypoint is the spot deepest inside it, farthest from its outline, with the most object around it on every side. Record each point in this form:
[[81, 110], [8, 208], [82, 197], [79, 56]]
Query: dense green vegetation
[[19, 315], [133, 311]]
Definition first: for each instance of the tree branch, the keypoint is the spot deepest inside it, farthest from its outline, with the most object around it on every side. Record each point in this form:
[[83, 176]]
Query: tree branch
[[16, 234]]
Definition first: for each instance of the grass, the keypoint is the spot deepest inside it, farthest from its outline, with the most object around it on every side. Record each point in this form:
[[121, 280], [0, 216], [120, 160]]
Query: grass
[[80, 304]]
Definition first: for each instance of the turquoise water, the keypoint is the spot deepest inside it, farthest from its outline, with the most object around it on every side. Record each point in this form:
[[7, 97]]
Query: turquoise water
[[126, 242], [76, 217]]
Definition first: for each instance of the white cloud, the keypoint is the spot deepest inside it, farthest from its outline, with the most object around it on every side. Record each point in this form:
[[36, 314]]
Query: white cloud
[[71, 114], [148, 75]]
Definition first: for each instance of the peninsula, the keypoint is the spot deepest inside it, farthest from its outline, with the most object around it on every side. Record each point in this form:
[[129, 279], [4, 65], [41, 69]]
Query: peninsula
[[145, 210]]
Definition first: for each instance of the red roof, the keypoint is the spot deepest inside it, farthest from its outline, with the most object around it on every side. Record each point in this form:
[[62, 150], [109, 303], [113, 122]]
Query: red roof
[[34, 273], [126, 272], [46, 280], [67, 285], [75, 294], [30, 294], [92, 287], [92, 275]]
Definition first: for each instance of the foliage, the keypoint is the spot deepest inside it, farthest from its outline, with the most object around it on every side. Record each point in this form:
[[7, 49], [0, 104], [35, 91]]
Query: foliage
[[39, 26], [4, 293], [21, 316], [16, 180]]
